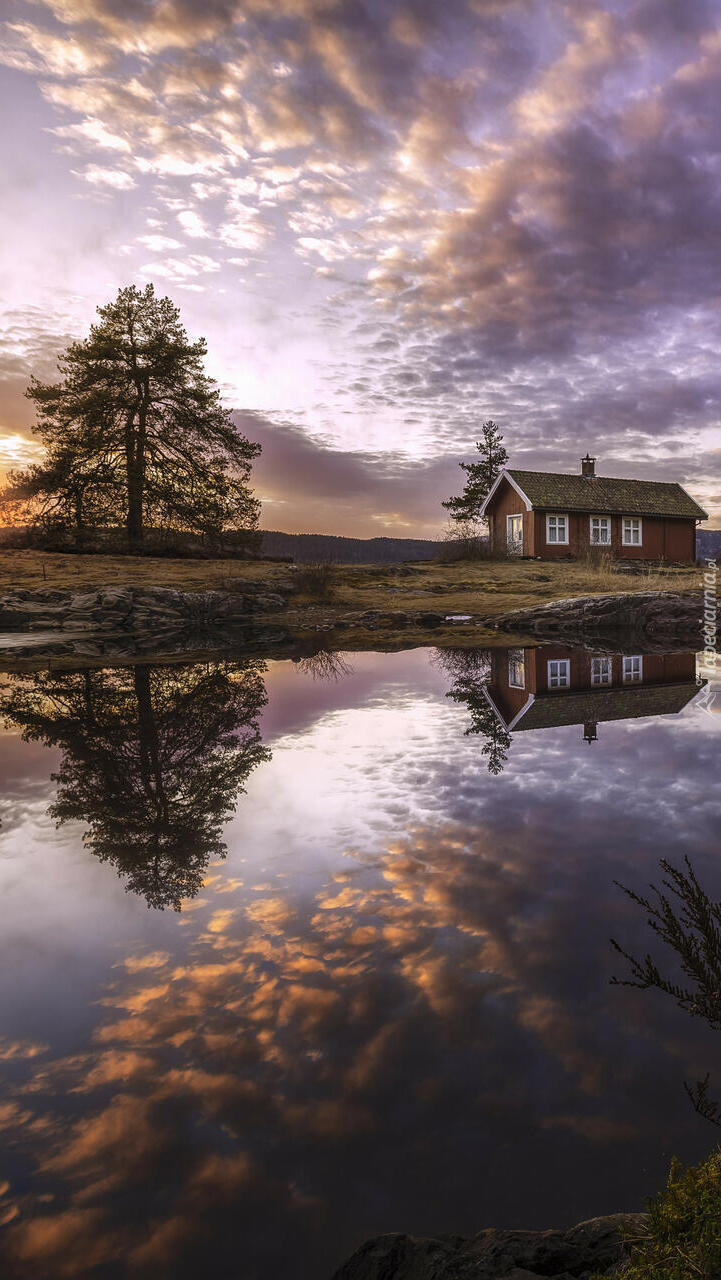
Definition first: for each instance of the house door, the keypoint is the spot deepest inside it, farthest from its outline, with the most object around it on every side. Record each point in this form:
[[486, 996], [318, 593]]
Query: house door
[[514, 535]]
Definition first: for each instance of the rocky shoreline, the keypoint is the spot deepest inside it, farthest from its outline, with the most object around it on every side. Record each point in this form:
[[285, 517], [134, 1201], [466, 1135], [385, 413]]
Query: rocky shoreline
[[667, 615], [134, 609], [139, 617], [594, 1248]]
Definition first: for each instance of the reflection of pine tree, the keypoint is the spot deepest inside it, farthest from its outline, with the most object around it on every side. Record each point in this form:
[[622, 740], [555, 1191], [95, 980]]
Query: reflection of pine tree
[[470, 669], [154, 758]]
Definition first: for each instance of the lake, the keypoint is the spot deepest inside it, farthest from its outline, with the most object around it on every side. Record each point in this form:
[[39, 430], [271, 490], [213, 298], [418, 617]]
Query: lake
[[296, 953]]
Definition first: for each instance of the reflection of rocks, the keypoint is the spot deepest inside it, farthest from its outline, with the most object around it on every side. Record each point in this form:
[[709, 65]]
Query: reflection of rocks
[[591, 1248], [130, 608], [34, 650], [656, 614]]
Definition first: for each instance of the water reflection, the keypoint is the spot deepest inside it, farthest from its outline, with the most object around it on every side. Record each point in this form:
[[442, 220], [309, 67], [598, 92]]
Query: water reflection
[[516, 690], [472, 671], [325, 664], [153, 761], [387, 1009], [688, 922]]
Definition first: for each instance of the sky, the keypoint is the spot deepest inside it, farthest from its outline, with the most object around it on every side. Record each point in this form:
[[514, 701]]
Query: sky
[[391, 220]]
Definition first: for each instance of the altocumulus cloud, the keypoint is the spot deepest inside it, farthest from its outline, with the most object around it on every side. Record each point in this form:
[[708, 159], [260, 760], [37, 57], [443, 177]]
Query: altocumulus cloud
[[390, 220]]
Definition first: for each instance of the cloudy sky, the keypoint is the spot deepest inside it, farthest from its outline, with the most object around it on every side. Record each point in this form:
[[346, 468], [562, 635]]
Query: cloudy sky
[[390, 219]]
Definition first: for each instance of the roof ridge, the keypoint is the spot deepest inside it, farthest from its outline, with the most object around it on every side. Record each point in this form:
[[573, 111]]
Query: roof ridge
[[573, 475]]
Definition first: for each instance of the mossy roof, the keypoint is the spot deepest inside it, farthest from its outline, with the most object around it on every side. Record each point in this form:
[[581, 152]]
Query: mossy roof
[[551, 710], [605, 494]]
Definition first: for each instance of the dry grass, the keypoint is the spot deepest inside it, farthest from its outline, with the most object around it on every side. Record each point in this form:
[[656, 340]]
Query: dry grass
[[485, 587], [55, 569], [489, 587]]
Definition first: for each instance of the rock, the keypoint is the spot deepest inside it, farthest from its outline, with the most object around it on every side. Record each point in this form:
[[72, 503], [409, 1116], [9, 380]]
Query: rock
[[592, 1247], [84, 600], [269, 603], [126, 609], [647, 613]]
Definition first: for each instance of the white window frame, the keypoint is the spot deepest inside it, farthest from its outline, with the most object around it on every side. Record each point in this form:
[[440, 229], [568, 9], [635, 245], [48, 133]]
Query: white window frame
[[601, 671], [516, 658], [518, 515], [561, 676], [556, 542], [631, 541], [600, 520], [632, 675]]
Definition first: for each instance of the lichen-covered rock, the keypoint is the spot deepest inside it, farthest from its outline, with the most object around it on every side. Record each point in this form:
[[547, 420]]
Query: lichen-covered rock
[[269, 603], [595, 1247], [128, 609], [665, 614]]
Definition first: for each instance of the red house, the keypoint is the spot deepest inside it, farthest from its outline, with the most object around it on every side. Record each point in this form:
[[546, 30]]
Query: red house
[[551, 515], [553, 685]]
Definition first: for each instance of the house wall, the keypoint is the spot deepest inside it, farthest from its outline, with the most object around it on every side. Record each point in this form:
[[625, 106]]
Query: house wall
[[506, 502], [508, 699], [579, 671], [658, 668], [680, 538], [662, 538]]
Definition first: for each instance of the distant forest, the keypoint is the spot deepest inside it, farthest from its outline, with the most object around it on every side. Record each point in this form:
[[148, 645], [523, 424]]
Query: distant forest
[[308, 547], [708, 542]]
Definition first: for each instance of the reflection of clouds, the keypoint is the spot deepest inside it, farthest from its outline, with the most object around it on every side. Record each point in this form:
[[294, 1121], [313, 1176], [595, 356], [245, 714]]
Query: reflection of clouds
[[405, 990], [449, 963], [10, 1049]]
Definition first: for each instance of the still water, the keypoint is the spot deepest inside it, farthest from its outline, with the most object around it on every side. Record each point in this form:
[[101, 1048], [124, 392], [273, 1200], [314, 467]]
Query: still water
[[295, 953]]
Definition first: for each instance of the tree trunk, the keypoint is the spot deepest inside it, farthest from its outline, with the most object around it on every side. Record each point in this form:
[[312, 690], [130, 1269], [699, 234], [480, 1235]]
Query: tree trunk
[[151, 772], [135, 435], [134, 518]]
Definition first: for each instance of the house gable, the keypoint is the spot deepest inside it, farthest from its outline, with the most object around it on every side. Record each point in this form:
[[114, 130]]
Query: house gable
[[506, 476]]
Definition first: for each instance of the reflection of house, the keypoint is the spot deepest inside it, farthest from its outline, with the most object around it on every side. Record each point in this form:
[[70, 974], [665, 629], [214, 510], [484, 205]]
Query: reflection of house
[[545, 687], [552, 515]]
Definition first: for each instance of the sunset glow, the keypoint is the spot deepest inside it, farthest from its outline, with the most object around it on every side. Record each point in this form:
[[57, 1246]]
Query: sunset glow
[[390, 219]]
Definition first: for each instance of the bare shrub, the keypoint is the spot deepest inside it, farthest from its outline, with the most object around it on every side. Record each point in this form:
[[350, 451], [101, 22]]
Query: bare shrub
[[600, 565], [315, 580], [468, 544], [324, 664]]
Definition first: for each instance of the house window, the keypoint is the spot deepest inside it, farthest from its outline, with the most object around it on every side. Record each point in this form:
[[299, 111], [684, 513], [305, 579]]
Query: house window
[[514, 534], [600, 670], [516, 669], [557, 529], [631, 531], [559, 673], [601, 531], [633, 669]]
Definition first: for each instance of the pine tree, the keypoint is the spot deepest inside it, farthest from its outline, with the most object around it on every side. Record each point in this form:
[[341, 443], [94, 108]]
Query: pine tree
[[465, 510], [135, 432]]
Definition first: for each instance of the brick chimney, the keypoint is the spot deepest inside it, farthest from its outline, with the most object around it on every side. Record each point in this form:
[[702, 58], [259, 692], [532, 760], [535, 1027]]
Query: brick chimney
[[588, 467]]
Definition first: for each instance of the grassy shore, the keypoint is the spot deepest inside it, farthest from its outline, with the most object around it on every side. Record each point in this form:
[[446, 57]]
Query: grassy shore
[[489, 587], [331, 603], [486, 587]]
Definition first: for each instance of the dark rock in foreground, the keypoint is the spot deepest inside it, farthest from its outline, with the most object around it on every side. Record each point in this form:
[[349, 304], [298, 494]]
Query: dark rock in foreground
[[668, 615], [595, 1247], [119, 609]]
